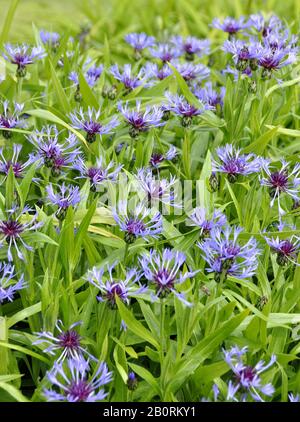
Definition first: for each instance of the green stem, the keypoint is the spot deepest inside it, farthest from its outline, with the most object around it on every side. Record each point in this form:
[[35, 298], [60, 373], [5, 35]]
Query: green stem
[[220, 284], [130, 152], [19, 92], [126, 254], [162, 330]]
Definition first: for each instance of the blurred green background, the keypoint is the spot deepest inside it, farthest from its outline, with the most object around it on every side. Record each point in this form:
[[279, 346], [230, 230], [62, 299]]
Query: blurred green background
[[115, 17]]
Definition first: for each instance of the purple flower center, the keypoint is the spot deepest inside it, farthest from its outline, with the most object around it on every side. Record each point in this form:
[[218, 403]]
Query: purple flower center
[[165, 282], [206, 227], [247, 375], [80, 390], [232, 251], [188, 48], [244, 53], [70, 339], [135, 226], [232, 28], [166, 57], [115, 290], [188, 110], [279, 180], [21, 60], [287, 248], [138, 121], [5, 122], [17, 168], [92, 127], [233, 166], [188, 76], [161, 74], [269, 62], [156, 159], [58, 162], [11, 228], [52, 152], [94, 172], [157, 193], [129, 83]]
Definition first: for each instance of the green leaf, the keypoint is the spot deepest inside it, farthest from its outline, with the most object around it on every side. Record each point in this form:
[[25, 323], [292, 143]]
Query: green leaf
[[14, 392], [26, 182], [184, 88], [203, 350], [25, 351], [135, 326], [282, 85], [288, 132], [146, 375], [9, 189], [24, 314], [38, 237], [63, 100], [261, 143], [7, 378], [47, 115], [208, 373], [235, 201], [8, 21], [87, 94]]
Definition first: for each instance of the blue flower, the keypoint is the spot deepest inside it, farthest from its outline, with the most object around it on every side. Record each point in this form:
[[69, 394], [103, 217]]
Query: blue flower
[[191, 72], [244, 54], [158, 158], [281, 181], [233, 163], [164, 271], [230, 25], [73, 382], [247, 380], [209, 95], [165, 52], [258, 22], [156, 72], [14, 226], [191, 46], [225, 255], [23, 55], [132, 381], [206, 222], [11, 119], [286, 249], [180, 106], [283, 41], [294, 398], [271, 60], [141, 222], [17, 167], [98, 173], [111, 287], [9, 282], [66, 197], [141, 121], [139, 41], [127, 78], [236, 73], [51, 152], [156, 190], [67, 342], [89, 122], [50, 38], [92, 74]]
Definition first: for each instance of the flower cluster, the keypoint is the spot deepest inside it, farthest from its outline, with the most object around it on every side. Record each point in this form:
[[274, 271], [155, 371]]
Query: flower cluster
[[269, 47], [149, 203]]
